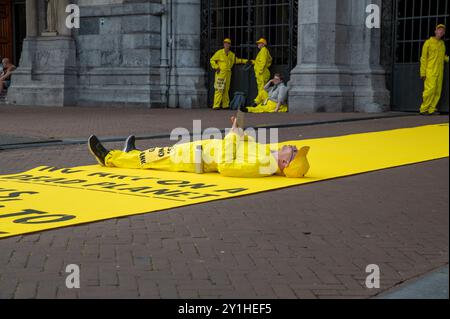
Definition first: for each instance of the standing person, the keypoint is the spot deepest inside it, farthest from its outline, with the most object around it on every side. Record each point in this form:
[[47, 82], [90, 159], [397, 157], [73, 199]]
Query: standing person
[[432, 71], [262, 64], [5, 76], [222, 62], [277, 100]]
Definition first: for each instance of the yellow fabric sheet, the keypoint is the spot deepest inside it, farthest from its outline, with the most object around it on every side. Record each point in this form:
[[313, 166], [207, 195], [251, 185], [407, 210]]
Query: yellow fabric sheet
[[46, 198]]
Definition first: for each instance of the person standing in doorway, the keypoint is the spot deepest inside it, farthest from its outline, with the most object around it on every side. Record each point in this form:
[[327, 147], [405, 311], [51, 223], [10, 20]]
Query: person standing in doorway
[[432, 71], [222, 62], [262, 64]]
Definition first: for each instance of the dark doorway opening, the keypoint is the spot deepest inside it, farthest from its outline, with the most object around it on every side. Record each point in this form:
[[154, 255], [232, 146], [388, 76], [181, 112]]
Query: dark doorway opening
[[244, 22], [6, 50], [19, 28], [12, 29]]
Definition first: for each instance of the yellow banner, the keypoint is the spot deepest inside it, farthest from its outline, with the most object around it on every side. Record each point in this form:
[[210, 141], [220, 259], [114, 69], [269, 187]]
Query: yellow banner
[[49, 197]]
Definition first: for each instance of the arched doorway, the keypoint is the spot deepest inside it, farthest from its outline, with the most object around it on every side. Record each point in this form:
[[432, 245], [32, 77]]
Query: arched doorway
[[6, 34], [245, 21], [12, 28]]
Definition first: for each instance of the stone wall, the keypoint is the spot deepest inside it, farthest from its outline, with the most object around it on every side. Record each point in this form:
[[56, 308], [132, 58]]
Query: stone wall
[[118, 53]]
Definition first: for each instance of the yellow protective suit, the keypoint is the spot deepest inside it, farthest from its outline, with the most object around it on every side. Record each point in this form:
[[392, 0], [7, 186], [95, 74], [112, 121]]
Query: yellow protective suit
[[262, 64], [268, 107], [432, 67], [234, 156], [225, 62]]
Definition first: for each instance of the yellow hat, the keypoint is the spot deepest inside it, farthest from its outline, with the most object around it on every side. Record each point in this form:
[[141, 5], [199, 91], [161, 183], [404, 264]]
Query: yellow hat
[[227, 40], [262, 40], [299, 166], [440, 26]]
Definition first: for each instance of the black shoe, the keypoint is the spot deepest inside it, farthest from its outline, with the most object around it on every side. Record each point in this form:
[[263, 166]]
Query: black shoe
[[243, 108], [435, 113], [424, 113], [254, 104], [97, 149], [130, 144]]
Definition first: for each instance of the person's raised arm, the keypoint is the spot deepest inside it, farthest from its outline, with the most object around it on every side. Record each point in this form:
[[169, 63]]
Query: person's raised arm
[[240, 61], [268, 85], [8, 73]]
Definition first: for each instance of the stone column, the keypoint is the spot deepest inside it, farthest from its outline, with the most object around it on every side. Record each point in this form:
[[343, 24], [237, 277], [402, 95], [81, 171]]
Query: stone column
[[47, 73], [321, 81], [369, 77], [338, 67], [187, 78], [32, 18]]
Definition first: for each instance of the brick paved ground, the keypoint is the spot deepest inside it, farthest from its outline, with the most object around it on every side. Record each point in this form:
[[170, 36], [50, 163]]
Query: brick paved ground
[[69, 123], [310, 241]]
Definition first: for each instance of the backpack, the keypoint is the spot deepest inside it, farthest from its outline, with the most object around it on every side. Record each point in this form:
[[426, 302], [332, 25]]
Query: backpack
[[238, 101]]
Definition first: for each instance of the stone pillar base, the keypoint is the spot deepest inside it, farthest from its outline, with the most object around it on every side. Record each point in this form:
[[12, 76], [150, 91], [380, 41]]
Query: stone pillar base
[[187, 89], [316, 88], [47, 75], [338, 89], [370, 92]]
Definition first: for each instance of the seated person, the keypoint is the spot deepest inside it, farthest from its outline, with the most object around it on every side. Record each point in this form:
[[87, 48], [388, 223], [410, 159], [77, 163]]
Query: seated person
[[5, 76], [277, 100], [237, 155]]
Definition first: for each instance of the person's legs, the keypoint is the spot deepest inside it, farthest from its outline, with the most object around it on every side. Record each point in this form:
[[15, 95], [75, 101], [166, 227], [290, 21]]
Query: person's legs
[[218, 94], [437, 96], [260, 85], [429, 92], [2, 86], [260, 108], [226, 93], [269, 107], [261, 81], [283, 109], [122, 159]]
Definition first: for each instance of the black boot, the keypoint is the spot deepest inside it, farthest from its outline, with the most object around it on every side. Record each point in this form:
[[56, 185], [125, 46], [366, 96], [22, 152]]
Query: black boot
[[97, 149], [130, 144]]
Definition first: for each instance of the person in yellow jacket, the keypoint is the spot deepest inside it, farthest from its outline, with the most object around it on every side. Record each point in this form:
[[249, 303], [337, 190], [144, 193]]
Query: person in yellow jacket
[[222, 62], [237, 155], [262, 64], [432, 71]]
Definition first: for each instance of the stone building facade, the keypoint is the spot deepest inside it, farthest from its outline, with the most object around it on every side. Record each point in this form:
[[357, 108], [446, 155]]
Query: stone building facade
[[147, 53], [116, 57]]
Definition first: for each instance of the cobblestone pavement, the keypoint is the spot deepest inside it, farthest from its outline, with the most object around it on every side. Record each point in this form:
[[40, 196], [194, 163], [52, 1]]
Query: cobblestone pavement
[[57, 123], [310, 241]]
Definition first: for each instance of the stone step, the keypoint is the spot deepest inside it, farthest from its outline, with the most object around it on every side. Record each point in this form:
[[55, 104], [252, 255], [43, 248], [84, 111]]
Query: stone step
[[3, 100]]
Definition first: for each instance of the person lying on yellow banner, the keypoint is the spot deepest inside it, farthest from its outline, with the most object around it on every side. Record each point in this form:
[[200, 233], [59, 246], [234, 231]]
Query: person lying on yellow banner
[[262, 64], [237, 155], [222, 62], [277, 100], [432, 71]]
